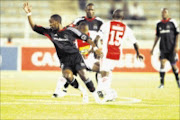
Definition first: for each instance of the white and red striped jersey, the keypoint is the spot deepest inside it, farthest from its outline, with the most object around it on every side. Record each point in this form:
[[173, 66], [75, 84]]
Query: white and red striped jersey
[[113, 34]]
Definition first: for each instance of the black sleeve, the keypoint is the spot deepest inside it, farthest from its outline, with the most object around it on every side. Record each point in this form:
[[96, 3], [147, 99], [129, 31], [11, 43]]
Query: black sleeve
[[77, 34], [176, 29], [157, 31], [41, 30]]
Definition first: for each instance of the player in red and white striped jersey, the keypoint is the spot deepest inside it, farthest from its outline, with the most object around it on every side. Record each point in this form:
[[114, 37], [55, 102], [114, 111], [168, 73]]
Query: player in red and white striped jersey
[[113, 33]]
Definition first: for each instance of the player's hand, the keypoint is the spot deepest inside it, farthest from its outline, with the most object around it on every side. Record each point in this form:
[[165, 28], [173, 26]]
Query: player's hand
[[90, 51], [140, 57], [27, 8], [98, 53]]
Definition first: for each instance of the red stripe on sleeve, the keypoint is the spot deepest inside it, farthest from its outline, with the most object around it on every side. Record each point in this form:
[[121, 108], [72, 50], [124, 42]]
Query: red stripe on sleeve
[[48, 36]]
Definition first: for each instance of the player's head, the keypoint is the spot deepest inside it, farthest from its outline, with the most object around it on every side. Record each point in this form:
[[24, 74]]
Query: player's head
[[55, 21], [90, 10], [83, 27], [118, 14], [165, 13]]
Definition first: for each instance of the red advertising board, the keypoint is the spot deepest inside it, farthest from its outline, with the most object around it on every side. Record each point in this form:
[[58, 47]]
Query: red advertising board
[[39, 59], [46, 59]]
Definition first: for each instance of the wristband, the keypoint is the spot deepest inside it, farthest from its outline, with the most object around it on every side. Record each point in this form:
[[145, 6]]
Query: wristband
[[29, 14], [95, 48]]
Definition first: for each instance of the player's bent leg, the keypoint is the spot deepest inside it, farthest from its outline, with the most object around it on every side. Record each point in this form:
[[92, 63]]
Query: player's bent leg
[[89, 84], [95, 67], [59, 92], [68, 74], [175, 71], [87, 81], [103, 81], [104, 85], [162, 72], [65, 86]]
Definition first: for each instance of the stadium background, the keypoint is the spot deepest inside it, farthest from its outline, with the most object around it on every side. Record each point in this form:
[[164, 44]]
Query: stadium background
[[23, 52]]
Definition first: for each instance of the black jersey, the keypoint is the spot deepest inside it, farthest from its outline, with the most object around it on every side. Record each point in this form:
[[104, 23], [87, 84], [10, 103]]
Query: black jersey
[[63, 40], [167, 31], [94, 24]]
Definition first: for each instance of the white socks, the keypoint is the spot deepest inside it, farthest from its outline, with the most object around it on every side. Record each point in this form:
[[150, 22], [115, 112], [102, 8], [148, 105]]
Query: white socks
[[60, 84]]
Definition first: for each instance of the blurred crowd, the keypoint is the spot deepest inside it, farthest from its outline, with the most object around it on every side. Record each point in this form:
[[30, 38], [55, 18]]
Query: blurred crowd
[[131, 11]]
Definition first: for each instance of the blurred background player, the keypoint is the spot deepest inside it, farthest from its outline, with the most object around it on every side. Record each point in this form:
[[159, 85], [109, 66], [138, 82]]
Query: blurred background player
[[94, 23], [167, 30], [113, 34], [68, 54]]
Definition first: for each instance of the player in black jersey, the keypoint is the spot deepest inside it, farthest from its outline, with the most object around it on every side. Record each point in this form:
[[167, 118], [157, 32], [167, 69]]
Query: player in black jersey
[[167, 31], [68, 54], [94, 23]]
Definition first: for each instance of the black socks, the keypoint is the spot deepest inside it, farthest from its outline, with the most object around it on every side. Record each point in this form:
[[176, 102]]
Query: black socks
[[162, 74], [90, 85]]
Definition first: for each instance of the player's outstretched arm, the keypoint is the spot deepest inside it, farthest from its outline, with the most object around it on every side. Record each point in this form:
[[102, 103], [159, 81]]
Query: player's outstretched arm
[[155, 42], [28, 9], [139, 56]]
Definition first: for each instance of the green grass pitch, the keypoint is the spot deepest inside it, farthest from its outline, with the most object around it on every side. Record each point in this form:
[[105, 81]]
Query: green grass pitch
[[27, 95]]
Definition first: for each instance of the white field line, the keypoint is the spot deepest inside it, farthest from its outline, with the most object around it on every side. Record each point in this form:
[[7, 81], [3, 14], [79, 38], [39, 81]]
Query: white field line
[[52, 102], [34, 92], [81, 103], [126, 100], [129, 101]]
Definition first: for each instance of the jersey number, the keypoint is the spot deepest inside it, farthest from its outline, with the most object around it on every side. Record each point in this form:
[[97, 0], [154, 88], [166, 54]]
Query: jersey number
[[115, 38]]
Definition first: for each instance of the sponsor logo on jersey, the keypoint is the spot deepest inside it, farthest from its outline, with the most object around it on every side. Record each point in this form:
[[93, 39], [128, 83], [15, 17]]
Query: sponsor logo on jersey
[[95, 26], [83, 37], [167, 27], [61, 39], [164, 31]]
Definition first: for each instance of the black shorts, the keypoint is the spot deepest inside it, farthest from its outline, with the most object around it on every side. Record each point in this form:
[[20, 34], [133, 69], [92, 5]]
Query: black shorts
[[171, 57], [74, 62]]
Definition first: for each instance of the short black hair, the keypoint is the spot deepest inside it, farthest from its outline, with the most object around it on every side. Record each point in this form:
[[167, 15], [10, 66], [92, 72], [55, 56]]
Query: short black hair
[[57, 17], [164, 9], [83, 24], [89, 4], [118, 14]]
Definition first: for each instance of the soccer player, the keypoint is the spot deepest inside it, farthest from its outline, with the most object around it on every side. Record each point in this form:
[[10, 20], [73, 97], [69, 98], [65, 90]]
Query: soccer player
[[167, 30], [85, 49], [94, 23], [113, 34], [83, 46], [68, 54]]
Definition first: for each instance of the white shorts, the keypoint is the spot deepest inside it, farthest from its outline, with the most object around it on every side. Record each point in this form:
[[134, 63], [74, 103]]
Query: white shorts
[[90, 61], [108, 64]]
